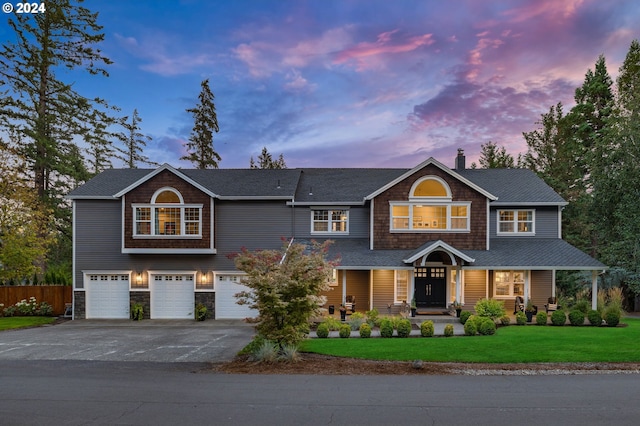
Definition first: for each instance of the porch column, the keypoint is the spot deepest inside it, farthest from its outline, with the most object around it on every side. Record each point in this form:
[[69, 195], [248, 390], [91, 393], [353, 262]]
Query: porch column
[[370, 289], [553, 283], [459, 297], [344, 286], [527, 286], [594, 290]]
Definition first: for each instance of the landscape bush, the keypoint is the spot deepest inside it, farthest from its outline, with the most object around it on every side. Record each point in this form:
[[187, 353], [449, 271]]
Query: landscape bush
[[576, 317], [332, 323], [289, 353], [612, 316], [356, 320], [470, 328], [582, 305], [365, 330], [448, 330], [386, 328], [486, 326], [426, 329], [345, 331], [323, 330], [541, 318], [266, 351], [490, 308], [594, 318], [27, 308], [558, 317], [404, 328], [505, 320], [521, 318], [373, 317], [464, 316]]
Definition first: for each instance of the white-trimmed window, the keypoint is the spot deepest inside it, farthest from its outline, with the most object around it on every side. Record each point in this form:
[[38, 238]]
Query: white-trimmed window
[[416, 216], [507, 284], [401, 285], [516, 221], [330, 221], [167, 216]]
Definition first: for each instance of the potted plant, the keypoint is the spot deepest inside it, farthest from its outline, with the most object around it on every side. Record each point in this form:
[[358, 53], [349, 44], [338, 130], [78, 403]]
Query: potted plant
[[458, 307], [413, 307], [343, 313], [530, 310]]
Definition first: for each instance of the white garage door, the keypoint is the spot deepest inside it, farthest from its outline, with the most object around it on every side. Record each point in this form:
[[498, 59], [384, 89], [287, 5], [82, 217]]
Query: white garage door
[[226, 306], [107, 296], [172, 296]]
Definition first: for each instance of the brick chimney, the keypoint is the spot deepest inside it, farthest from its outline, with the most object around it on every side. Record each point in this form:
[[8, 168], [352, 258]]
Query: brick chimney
[[460, 160]]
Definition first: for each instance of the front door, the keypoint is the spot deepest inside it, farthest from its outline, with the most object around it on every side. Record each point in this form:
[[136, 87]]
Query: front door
[[430, 287]]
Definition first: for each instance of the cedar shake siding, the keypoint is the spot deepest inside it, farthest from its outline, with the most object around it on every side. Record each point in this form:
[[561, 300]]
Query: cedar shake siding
[[191, 195], [475, 239]]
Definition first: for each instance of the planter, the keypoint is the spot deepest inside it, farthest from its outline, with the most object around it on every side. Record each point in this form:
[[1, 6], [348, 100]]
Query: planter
[[332, 309], [413, 312], [529, 315], [458, 313], [343, 315]]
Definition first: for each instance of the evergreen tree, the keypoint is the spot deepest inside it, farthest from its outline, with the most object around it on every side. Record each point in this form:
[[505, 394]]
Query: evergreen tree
[[266, 161], [134, 142], [200, 146], [46, 111], [492, 157]]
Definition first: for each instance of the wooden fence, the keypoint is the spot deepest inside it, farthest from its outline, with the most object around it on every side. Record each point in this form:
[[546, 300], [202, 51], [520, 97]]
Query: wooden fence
[[55, 295]]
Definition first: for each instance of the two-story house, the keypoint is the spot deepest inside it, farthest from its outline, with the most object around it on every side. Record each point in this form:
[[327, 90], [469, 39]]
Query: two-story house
[[164, 237]]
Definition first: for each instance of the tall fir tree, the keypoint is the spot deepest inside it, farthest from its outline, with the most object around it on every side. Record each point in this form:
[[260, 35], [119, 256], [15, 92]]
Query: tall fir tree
[[45, 113], [494, 157], [266, 161], [200, 146], [134, 142]]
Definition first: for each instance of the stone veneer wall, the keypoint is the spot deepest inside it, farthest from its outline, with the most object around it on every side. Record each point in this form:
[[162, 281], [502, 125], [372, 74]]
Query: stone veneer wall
[[144, 298], [79, 305], [208, 299]]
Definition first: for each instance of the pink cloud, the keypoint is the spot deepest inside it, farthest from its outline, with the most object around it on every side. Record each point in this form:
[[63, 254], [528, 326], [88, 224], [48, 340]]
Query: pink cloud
[[383, 45], [550, 8]]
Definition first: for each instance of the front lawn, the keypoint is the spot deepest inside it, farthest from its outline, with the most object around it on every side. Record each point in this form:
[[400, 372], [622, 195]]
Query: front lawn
[[7, 323], [512, 344]]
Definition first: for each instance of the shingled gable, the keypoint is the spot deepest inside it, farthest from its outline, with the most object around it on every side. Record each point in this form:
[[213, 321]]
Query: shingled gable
[[432, 246], [158, 171], [436, 163]]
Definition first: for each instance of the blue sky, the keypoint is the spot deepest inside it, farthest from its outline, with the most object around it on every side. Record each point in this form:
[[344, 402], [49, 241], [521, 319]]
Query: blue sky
[[353, 83]]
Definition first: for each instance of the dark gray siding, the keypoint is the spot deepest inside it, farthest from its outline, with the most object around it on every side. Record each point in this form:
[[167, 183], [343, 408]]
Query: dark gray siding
[[254, 225], [358, 224], [546, 222]]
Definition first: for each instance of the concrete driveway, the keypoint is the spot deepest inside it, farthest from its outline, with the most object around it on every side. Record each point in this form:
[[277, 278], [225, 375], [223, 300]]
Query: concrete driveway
[[124, 340]]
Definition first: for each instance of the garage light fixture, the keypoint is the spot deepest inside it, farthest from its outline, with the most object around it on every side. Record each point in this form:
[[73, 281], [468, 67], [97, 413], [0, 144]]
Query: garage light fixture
[[139, 278], [203, 278]]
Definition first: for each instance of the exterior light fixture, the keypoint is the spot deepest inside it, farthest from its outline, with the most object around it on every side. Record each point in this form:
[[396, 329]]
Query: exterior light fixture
[[139, 278]]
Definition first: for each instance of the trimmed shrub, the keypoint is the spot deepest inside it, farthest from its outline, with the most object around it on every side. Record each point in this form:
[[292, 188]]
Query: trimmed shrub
[[486, 326], [541, 318], [345, 331], [404, 328], [322, 331], [386, 328], [612, 316], [426, 329], [464, 316], [490, 308], [521, 318], [594, 318], [505, 320], [365, 330], [372, 317], [470, 328], [576, 317], [448, 330], [558, 317], [332, 323], [583, 306]]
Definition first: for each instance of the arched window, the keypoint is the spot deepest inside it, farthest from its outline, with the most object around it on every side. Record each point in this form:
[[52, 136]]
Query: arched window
[[430, 209], [430, 187], [167, 216]]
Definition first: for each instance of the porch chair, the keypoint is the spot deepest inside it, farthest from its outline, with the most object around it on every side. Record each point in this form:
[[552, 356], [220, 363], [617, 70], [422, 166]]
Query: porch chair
[[68, 310], [552, 305], [350, 304], [519, 305]]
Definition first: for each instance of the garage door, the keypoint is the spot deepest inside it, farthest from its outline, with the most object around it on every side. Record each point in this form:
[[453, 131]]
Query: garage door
[[172, 296], [107, 296], [226, 306]]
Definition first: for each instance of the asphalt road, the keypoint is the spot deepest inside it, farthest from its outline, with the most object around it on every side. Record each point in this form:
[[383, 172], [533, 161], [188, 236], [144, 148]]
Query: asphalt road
[[135, 393]]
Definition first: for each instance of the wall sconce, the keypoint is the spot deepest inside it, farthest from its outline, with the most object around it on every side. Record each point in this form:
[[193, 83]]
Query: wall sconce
[[139, 278], [203, 278]]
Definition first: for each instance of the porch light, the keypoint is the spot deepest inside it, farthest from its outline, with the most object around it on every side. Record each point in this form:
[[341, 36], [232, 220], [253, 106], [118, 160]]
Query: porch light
[[203, 277], [139, 278]]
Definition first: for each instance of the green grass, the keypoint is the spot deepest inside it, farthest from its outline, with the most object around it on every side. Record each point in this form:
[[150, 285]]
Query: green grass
[[21, 322], [513, 344]]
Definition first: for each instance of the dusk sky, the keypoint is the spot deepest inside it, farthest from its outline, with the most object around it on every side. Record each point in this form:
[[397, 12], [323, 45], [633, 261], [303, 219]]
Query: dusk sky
[[352, 83]]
